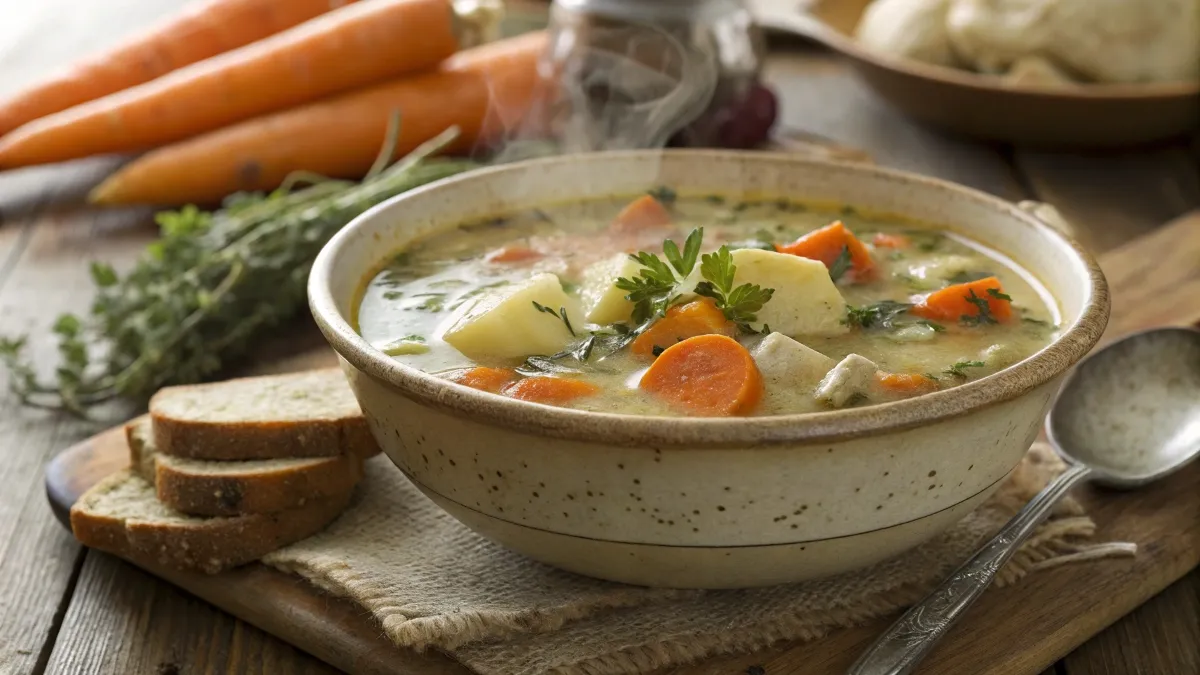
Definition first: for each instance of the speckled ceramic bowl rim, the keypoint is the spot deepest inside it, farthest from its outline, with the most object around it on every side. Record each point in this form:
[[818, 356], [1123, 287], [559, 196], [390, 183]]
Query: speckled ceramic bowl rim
[[700, 433]]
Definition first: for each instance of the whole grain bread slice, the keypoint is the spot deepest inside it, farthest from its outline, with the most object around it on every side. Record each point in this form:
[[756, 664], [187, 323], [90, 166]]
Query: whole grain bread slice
[[214, 488], [122, 515], [310, 414]]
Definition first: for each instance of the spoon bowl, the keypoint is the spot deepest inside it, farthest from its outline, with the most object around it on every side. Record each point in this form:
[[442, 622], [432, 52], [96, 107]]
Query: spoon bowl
[[1127, 416], [1131, 412]]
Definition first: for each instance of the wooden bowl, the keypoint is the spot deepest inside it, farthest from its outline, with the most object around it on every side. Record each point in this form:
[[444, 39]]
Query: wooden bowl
[[704, 502], [987, 107]]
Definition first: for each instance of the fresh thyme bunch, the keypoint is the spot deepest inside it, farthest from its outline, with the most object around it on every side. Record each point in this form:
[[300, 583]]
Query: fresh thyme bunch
[[211, 286]]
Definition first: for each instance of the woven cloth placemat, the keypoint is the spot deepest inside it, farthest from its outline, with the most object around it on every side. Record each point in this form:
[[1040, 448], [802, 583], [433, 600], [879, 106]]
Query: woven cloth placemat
[[432, 583]]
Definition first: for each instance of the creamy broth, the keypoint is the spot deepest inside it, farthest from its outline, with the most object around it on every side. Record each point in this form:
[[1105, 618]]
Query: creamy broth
[[443, 283]]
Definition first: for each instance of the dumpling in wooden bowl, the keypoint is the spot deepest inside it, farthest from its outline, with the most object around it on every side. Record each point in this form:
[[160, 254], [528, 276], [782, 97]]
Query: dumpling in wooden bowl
[[912, 29], [1111, 41]]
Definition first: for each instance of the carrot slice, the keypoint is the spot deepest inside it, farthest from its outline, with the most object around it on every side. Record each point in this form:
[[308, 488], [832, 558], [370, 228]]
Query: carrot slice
[[884, 240], [699, 317], [826, 245], [513, 253], [706, 375], [911, 384], [952, 303], [484, 378], [550, 390], [643, 212]]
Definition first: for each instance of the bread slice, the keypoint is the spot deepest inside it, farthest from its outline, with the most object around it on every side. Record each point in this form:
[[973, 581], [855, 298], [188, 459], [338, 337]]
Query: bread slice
[[211, 488], [312, 414], [122, 515]]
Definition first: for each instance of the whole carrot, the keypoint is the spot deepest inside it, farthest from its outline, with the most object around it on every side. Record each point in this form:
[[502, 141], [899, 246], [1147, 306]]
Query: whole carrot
[[204, 28], [484, 91], [342, 50]]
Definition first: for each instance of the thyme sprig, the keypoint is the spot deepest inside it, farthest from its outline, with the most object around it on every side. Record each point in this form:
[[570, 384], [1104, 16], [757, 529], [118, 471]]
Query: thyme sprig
[[210, 287]]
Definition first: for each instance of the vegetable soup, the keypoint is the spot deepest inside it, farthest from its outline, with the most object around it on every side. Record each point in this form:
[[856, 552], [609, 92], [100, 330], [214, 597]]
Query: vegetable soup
[[670, 305]]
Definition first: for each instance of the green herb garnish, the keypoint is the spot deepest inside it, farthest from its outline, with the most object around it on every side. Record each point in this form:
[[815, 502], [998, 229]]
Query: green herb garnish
[[433, 302], [959, 369], [840, 265], [212, 286], [738, 304], [561, 315], [937, 327], [998, 295], [656, 286], [882, 314], [985, 311], [714, 199]]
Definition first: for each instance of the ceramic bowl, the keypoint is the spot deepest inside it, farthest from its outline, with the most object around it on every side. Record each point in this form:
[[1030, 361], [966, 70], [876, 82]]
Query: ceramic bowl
[[986, 107], [705, 503]]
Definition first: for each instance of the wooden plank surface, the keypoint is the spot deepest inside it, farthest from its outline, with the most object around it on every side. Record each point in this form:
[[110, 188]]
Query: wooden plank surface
[[43, 247]]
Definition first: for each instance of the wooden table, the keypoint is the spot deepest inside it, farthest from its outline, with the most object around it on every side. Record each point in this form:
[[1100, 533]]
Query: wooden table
[[68, 610]]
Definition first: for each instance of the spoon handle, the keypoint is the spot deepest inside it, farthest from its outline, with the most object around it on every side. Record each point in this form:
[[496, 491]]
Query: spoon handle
[[902, 646]]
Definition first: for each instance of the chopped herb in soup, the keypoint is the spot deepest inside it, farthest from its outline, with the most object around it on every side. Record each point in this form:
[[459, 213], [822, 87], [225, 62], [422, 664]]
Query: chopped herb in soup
[[671, 305]]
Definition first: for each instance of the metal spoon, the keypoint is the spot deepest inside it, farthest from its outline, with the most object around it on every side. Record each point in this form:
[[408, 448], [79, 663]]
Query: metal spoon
[[1127, 416]]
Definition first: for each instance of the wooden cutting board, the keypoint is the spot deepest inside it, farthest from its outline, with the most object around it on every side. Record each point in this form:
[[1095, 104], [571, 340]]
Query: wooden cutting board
[[1155, 281]]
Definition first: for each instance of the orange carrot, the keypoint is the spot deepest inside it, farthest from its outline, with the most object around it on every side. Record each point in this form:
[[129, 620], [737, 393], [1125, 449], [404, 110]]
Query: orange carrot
[[550, 390], [203, 29], [883, 240], [826, 245], [952, 303], [345, 49], [699, 317], [706, 375], [643, 212], [481, 90], [910, 384], [484, 378], [513, 253]]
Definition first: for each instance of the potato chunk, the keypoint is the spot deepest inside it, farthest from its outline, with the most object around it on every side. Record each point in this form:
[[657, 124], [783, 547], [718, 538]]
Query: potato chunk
[[805, 301], [784, 362], [854, 375], [506, 324], [603, 302]]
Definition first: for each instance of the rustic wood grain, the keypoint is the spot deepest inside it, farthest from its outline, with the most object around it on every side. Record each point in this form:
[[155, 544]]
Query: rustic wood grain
[[1162, 637], [1155, 280], [161, 630], [1114, 197]]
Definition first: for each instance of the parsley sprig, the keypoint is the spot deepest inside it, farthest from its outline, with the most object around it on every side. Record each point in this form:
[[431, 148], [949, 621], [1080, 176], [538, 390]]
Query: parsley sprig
[[656, 286], [739, 304]]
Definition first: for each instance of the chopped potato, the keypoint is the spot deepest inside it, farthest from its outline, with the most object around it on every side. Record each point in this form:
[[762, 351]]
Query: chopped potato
[[847, 380], [1000, 356], [785, 363], [805, 301], [507, 324], [603, 302]]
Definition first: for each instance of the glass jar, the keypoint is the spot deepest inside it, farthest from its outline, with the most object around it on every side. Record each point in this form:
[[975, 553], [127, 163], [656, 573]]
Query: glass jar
[[647, 73]]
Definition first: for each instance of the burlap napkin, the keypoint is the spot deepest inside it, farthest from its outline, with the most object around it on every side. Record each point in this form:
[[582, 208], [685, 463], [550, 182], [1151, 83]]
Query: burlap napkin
[[430, 582]]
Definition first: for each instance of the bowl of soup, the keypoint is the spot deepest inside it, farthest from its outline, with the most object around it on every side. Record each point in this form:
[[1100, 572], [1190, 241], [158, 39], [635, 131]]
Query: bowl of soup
[[705, 369]]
